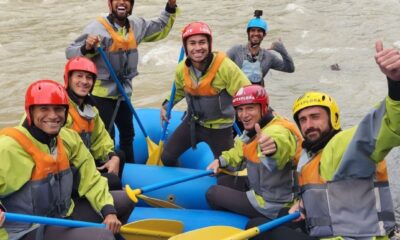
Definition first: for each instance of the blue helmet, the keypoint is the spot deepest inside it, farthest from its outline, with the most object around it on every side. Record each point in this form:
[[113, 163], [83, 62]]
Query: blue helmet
[[258, 22]]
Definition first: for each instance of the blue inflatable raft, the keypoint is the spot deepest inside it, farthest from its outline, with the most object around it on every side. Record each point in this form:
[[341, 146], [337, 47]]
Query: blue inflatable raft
[[150, 118]]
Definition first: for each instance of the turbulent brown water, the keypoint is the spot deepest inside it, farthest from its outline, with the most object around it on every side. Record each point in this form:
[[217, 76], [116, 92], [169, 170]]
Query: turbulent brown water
[[318, 34]]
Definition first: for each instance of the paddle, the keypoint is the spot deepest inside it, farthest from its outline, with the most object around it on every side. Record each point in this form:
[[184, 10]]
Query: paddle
[[154, 202], [155, 156], [150, 144], [237, 129], [134, 193], [231, 233], [148, 229]]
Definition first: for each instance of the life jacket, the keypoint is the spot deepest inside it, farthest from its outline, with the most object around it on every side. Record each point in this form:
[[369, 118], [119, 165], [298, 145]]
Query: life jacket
[[349, 207], [277, 187], [122, 54], [47, 193], [205, 102], [81, 125], [119, 42]]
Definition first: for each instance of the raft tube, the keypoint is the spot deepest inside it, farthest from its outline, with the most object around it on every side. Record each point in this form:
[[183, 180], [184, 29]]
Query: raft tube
[[190, 194], [191, 218], [150, 118]]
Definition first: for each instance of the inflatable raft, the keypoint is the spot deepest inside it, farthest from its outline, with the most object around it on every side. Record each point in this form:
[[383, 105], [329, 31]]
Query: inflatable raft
[[150, 118], [190, 195]]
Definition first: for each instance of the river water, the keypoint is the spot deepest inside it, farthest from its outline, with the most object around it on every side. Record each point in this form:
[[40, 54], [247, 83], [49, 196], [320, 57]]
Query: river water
[[318, 34]]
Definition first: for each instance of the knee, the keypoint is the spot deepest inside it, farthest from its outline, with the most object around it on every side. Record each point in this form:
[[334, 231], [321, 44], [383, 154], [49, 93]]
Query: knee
[[114, 182], [123, 204], [104, 234], [168, 159], [211, 196]]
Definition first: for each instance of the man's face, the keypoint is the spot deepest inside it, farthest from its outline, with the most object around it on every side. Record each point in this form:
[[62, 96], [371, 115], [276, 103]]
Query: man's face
[[255, 36], [314, 123], [197, 48], [81, 82], [249, 115], [49, 118], [121, 8]]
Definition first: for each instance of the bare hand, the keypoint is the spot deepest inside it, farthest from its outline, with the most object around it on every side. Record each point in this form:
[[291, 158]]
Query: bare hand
[[163, 116], [388, 61], [172, 3], [112, 222], [296, 208], [273, 45], [214, 165], [111, 165], [266, 143], [91, 42]]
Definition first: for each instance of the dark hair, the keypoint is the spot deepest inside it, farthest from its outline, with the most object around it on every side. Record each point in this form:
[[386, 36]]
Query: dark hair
[[258, 13]]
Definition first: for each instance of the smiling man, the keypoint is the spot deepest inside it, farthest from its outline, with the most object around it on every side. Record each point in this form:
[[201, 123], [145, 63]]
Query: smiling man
[[207, 81], [271, 177], [79, 78], [36, 173], [255, 61], [345, 191], [119, 36]]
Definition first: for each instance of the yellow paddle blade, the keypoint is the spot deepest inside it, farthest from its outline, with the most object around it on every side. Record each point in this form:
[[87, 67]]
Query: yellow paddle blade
[[244, 234], [155, 155], [151, 229], [209, 233], [240, 173], [155, 202], [151, 146]]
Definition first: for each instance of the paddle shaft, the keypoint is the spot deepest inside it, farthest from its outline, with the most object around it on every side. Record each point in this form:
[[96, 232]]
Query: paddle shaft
[[121, 89], [174, 181], [263, 227], [237, 129], [17, 217], [269, 225], [171, 99]]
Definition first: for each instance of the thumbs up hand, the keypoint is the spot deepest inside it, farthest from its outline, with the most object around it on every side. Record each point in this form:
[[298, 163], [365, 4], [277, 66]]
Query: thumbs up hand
[[388, 61], [266, 143]]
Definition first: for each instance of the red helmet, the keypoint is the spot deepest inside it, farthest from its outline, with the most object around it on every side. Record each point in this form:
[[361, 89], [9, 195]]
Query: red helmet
[[44, 92], [252, 94], [196, 28], [80, 64], [130, 11]]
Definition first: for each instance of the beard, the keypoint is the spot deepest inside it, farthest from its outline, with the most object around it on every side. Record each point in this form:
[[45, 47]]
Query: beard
[[120, 17], [320, 134], [315, 144]]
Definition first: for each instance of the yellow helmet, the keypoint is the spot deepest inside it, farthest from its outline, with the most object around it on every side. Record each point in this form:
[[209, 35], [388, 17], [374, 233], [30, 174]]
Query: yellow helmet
[[310, 99]]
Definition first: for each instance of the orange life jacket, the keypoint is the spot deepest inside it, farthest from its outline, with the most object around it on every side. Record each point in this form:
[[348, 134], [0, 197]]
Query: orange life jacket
[[119, 42], [45, 164], [310, 173], [80, 124], [204, 88]]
